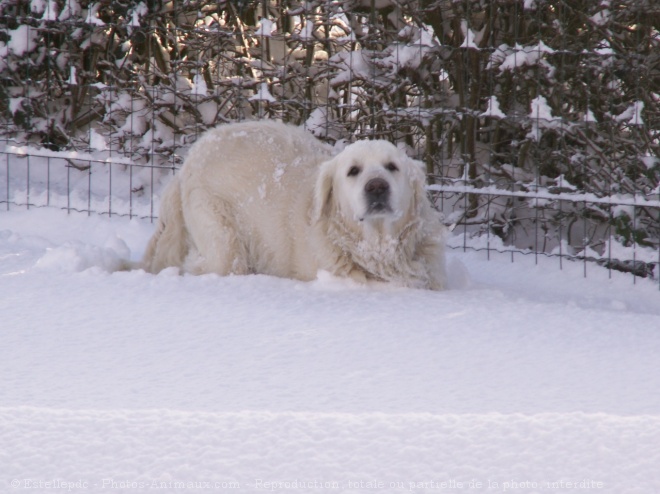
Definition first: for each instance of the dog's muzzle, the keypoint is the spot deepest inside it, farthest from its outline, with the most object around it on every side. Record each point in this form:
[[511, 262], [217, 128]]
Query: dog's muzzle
[[377, 192]]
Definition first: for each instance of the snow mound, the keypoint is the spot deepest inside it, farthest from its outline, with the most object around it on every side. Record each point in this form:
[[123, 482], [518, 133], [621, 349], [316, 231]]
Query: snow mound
[[78, 256]]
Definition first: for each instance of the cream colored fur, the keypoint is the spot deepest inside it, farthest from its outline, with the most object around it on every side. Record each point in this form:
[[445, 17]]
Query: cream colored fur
[[265, 197]]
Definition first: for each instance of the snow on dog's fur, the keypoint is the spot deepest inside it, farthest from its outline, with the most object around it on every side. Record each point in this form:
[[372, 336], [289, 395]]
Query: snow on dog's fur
[[265, 197]]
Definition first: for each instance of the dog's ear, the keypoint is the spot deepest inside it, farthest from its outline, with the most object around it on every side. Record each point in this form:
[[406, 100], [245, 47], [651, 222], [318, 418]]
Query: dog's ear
[[322, 201], [418, 182]]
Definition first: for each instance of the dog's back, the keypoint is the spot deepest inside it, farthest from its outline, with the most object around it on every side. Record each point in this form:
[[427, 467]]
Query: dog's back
[[245, 189]]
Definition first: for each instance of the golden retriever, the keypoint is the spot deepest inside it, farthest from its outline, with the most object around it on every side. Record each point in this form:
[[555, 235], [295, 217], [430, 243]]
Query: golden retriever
[[269, 198]]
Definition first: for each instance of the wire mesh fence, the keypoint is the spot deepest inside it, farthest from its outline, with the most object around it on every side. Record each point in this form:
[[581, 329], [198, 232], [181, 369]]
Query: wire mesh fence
[[538, 121]]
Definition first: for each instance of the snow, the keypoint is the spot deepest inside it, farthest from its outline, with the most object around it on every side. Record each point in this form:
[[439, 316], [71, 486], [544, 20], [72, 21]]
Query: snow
[[266, 28], [633, 114], [15, 104], [493, 109], [469, 41], [263, 94], [541, 109], [22, 40], [650, 162], [97, 141], [199, 85], [37, 6], [73, 78], [47, 8], [51, 11], [307, 30], [541, 117], [92, 15], [411, 55], [589, 117], [318, 121], [541, 192], [511, 58], [137, 13], [350, 65], [601, 18], [521, 378], [71, 9]]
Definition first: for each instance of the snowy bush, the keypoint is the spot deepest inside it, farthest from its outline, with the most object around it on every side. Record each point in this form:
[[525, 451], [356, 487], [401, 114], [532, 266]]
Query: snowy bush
[[538, 120]]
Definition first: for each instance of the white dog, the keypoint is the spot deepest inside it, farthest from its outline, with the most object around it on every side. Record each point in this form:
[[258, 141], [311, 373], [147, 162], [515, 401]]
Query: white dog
[[269, 198]]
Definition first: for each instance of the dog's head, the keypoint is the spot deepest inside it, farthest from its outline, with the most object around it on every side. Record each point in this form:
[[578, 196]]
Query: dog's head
[[369, 180]]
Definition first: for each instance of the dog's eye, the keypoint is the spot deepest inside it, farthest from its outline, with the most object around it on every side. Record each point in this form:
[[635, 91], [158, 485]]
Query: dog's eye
[[355, 170], [391, 167]]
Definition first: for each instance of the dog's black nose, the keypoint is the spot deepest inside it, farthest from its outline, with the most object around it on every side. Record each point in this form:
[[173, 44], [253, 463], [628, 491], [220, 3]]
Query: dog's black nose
[[377, 187]]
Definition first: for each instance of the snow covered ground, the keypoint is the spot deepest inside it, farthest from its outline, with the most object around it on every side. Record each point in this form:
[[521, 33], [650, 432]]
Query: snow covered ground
[[521, 378]]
